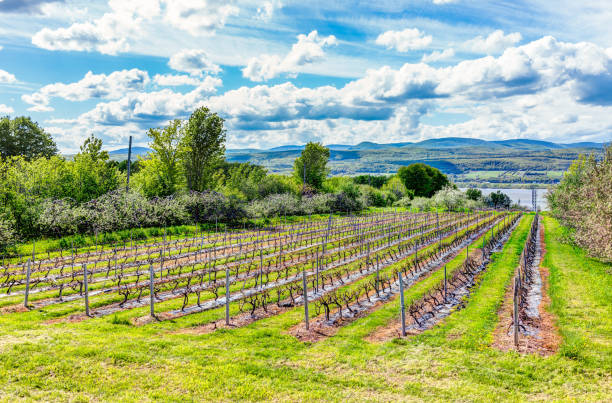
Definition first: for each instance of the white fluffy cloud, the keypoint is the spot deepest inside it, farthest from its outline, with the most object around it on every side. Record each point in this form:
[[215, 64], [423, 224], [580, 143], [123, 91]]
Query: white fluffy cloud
[[496, 42], [150, 108], [175, 80], [193, 61], [6, 110], [6, 77], [308, 49], [544, 89], [108, 34], [91, 86], [437, 55], [267, 8], [199, 17], [404, 41], [113, 31]]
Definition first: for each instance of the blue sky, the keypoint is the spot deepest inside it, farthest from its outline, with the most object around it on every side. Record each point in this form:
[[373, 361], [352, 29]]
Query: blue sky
[[287, 72]]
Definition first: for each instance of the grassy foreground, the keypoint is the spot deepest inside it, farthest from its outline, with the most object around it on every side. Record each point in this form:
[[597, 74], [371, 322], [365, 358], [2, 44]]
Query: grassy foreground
[[106, 359]]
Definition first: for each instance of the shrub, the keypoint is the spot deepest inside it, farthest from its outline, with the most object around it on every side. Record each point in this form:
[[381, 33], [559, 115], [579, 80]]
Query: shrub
[[277, 204], [583, 202], [422, 203], [7, 234], [449, 198]]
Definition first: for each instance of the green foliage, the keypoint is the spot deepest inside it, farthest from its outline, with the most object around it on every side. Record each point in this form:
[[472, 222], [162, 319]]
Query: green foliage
[[241, 180], [370, 196], [93, 175], [203, 139], [449, 199], [473, 194], [29, 187], [422, 179], [498, 200], [312, 165], [377, 181], [583, 202], [277, 184], [395, 185], [161, 173], [25, 138]]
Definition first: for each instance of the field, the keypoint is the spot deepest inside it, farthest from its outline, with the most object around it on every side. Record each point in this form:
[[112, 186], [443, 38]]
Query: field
[[352, 349]]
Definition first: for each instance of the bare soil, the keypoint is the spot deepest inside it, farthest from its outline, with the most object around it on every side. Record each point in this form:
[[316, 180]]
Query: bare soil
[[392, 330], [547, 340]]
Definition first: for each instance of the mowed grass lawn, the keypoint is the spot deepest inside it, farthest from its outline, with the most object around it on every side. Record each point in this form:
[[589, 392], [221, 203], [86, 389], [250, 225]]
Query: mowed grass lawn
[[108, 359]]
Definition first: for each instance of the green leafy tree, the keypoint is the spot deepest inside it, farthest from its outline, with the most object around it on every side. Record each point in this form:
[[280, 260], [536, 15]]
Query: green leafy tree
[[312, 165], [424, 180], [473, 194], [93, 147], [93, 173], [376, 181], [204, 148], [161, 173], [23, 137], [498, 200], [241, 179]]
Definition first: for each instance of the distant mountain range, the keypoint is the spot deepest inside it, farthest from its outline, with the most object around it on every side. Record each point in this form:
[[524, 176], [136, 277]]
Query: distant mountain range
[[441, 143]]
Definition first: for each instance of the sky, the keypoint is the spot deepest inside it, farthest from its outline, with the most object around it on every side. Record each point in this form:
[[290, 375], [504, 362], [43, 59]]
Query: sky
[[287, 72]]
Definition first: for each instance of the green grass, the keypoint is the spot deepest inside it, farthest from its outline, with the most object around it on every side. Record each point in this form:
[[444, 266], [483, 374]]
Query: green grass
[[581, 291], [108, 359]]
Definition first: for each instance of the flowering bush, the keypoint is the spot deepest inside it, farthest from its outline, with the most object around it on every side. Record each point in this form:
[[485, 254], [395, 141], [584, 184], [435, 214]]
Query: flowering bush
[[583, 202], [119, 210]]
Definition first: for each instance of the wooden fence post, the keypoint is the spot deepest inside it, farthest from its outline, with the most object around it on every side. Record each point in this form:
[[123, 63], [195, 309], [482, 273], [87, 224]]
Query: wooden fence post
[[86, 285], [445, 283], [227, 296], [305, 299], [516, 319], [152, 289], [403, 308], [27, 290]]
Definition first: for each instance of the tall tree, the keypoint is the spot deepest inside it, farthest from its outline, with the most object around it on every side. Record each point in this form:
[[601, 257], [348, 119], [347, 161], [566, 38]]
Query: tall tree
[[93, 147], [23, 137], [161, 173], [93, 174], [422, 179], [312, 165], [204, 146]]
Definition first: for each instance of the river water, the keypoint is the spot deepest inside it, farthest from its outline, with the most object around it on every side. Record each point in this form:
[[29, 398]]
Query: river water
[[520, 196]]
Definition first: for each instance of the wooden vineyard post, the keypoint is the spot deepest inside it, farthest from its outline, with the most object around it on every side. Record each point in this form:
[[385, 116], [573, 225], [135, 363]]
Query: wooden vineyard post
[[27, 289], [305, 299], [377, 273], [151, 289], [445, 284], [403, 308], [516, 319], [261, 267], [86, 286], [316, 269], [227, 296], [483, 247]]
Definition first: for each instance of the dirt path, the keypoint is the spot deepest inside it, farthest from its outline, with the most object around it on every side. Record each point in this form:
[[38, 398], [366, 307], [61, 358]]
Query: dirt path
[[540, 335]]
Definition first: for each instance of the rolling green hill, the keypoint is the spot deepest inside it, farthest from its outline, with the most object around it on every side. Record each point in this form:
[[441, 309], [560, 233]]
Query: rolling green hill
[[469, 162]]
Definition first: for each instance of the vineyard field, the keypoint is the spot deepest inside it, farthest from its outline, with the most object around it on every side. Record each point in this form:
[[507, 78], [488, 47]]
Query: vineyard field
[[296, 311]]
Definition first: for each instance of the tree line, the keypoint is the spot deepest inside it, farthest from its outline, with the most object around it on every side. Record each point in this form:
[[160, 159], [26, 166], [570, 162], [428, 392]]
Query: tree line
[[184, 179], [582, 201]]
